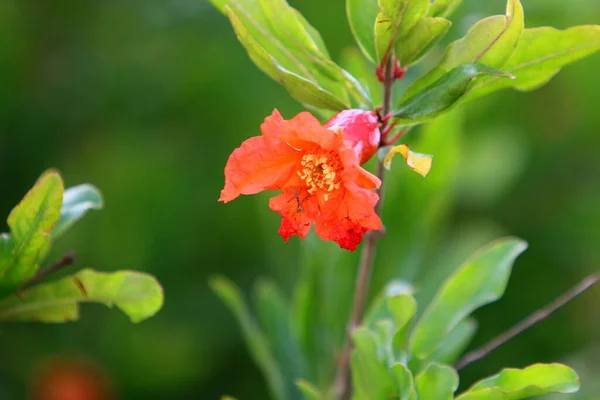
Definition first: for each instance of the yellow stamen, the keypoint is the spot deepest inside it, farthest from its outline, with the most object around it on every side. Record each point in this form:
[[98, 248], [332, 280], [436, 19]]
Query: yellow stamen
[[321, 172]]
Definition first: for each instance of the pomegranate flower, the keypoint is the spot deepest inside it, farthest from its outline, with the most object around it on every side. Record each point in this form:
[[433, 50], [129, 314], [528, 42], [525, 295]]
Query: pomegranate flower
[[317, 168]]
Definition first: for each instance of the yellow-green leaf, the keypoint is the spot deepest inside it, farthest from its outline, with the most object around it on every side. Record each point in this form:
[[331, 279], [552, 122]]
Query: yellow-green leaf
[[443, 93], [255, 340], [420, 39], [490, 41], [481, 280], [515, 384], [404, 381], [138, 295], [420, 163], [395, 19], [437, 382], [443, 8], [361, 18], [286, 47], [31, 223], [304, 90], [540, 55]]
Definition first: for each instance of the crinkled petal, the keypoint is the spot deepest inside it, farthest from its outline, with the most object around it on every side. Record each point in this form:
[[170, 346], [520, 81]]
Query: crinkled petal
[[348, 217], [257, 166], [297, 210], [301, 132]]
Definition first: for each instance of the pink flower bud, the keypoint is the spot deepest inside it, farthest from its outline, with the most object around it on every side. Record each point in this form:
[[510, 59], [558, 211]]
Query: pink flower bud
[[361, 128]]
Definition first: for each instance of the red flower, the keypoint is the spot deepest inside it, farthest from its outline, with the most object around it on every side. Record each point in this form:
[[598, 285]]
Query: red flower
[[318, 171]]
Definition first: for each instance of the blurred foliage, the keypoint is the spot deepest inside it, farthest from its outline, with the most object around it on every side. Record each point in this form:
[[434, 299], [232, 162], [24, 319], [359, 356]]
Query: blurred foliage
[[147, 100]]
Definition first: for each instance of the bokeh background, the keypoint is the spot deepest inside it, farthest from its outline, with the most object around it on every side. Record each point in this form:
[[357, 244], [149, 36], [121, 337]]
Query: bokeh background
[[146, 99]]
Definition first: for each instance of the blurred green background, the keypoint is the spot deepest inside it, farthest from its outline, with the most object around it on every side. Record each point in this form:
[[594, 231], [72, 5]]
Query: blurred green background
[[146, 99]]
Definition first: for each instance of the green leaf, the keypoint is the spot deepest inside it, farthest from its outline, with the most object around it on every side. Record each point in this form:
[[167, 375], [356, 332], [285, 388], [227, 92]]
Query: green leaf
[[138, 295], [426, 33], [514, 384], [480, 281], [309, 391], [361, 17], [540, 55], [455, 344], [491, 42], [443, 8], [282, 44], [370, 376], [437, 382], [405, 382], [306, 90], [444, 93], [31, 223], [359, 66], [395, 19], [255, 339], [379, 308], [77, 201], [274, 316], [403, 308]]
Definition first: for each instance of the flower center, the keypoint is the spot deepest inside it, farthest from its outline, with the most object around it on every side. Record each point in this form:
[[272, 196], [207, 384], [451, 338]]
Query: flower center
[[321, 172]]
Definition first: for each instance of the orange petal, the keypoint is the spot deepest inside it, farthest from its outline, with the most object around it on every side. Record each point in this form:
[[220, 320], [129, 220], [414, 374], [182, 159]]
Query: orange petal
[[346, 219], [297, 210], [257, 166], [300, 132], [367, 180]]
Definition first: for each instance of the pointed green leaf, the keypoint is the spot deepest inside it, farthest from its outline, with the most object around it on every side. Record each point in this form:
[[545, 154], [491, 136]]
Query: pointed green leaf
[[379, 308], [540, 55], [456, 342], [138, 295], [255, 340], [384, 331], [491, 42], [370, 376], [395, 19], [282, 44], [443, 8], [437, 382], [361, 17], [274, 316], [426, 33], [514, 384], [404, 381], [31, 223], [480, 281], [309, 391], [77, 201], [403, 308], [304, 90], [444, 93]]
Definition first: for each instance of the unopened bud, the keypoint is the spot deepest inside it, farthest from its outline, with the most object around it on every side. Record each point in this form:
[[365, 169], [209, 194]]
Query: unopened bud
[[361, 128]]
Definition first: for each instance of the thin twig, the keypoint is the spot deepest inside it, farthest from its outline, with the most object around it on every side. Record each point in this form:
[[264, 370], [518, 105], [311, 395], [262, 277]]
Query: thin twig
[[398, 135], [528, 322], [44, 272], [343, 385]]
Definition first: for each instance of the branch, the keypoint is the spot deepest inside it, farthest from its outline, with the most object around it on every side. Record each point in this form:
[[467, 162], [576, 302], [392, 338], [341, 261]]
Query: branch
[[528, 322], [343, 386], [44, 272]]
